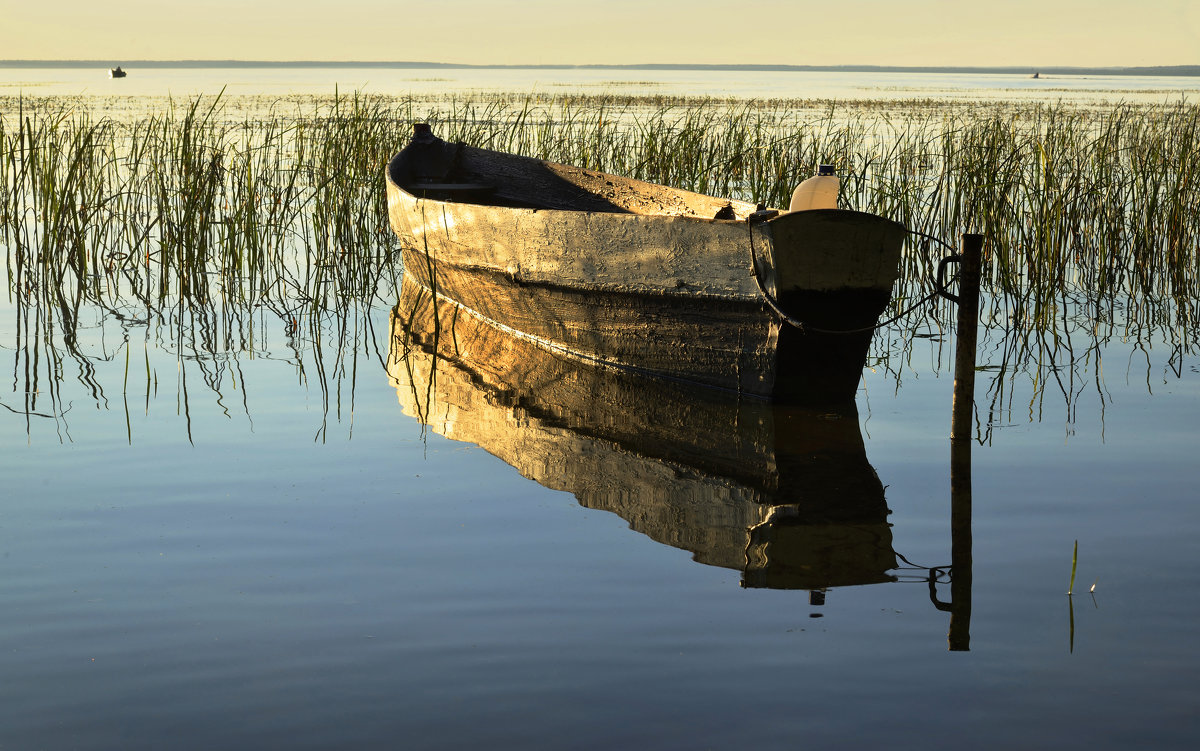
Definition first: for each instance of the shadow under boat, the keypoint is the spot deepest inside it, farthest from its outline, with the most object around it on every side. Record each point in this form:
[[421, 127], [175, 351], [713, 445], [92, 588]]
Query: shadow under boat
[[783, 494]]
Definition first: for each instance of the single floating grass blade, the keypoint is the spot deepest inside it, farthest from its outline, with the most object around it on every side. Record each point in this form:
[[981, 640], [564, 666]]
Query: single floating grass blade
[[1074, 561]]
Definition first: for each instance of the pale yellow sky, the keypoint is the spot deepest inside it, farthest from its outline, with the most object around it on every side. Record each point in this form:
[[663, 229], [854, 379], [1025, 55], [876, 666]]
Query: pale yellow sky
[[793, 32]]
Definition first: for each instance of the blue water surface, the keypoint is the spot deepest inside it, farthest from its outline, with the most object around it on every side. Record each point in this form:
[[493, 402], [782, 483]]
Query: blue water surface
[[261, 547]]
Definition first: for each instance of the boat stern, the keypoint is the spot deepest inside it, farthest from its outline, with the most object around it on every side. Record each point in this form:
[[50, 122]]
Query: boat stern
[[832, 271], [834, 249]]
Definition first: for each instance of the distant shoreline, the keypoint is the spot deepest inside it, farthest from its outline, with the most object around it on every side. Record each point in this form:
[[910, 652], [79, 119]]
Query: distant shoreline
[[1162, 70]]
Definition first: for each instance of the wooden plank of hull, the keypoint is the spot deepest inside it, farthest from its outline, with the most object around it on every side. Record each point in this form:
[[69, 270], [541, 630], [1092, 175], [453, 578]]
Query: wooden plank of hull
[[775, 492], [585, 250], [729, 344], [720, 342]]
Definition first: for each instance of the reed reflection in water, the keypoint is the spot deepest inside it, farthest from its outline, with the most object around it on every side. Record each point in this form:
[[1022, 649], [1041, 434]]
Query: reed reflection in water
[[108, 342], [211, 209]]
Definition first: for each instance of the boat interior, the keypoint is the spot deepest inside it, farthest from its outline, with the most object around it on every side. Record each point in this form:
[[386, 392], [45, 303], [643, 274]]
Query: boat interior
[[432, 168]]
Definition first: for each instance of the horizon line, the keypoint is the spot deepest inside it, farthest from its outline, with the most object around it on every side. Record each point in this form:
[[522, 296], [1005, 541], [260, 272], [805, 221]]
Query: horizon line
[[1179, 70]]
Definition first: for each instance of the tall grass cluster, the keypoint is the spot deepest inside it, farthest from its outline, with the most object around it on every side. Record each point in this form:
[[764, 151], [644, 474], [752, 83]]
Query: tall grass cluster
[[202, 211], [210, 235], [278, 208], [1066, 196]]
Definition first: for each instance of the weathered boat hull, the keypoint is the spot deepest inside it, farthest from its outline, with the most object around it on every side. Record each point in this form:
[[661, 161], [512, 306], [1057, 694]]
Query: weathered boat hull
[[783, 494], [671, 291]]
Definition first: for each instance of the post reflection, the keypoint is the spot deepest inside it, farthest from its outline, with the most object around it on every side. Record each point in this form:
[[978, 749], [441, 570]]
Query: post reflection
[[961, 564], [783, 495]]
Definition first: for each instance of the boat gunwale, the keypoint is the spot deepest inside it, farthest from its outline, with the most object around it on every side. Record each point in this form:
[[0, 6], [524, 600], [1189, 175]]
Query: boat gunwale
[[780, 215]]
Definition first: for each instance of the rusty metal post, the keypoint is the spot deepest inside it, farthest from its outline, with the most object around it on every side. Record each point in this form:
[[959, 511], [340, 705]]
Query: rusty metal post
[[960, 444]]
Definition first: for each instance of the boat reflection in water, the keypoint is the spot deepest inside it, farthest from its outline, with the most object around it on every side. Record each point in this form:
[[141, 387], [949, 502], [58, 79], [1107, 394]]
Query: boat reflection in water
[[784, 495]]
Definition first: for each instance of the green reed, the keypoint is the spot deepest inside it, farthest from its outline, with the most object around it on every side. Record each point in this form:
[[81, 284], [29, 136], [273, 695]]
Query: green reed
[[201, 215], [1108, 197], [189, 225], [1095, 198]]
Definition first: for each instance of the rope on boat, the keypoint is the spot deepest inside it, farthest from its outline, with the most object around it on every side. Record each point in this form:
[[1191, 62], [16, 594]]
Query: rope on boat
[[939, 290]]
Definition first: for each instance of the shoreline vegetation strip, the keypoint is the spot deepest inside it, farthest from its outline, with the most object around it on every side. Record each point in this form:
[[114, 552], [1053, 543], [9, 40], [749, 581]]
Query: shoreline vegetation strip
[[1091, 213]]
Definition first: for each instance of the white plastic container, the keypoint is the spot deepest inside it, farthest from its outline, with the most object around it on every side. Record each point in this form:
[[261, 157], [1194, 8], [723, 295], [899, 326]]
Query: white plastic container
[[820, 192]]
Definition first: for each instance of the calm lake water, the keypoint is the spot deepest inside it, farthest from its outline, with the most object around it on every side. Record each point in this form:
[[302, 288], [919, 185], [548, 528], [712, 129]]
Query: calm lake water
[[235, 533], [188, 82]]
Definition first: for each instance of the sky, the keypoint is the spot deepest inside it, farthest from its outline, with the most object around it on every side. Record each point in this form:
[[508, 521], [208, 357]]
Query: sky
[[1036, 33]]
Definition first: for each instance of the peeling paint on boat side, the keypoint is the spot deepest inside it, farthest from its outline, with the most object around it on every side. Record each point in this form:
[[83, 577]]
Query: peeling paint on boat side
[[611, 252]]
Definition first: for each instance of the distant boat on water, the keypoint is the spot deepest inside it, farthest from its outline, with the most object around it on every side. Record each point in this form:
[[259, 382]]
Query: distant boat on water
[[1036, 75], [116, 72]]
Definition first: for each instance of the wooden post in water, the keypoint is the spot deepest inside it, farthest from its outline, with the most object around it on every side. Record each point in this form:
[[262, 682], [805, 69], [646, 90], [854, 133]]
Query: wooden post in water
[[968, 337], [960, 443]]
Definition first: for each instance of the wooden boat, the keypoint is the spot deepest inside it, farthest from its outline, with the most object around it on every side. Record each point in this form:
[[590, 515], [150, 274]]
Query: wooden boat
[[783, 494], [116, 72], [642, 277]]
